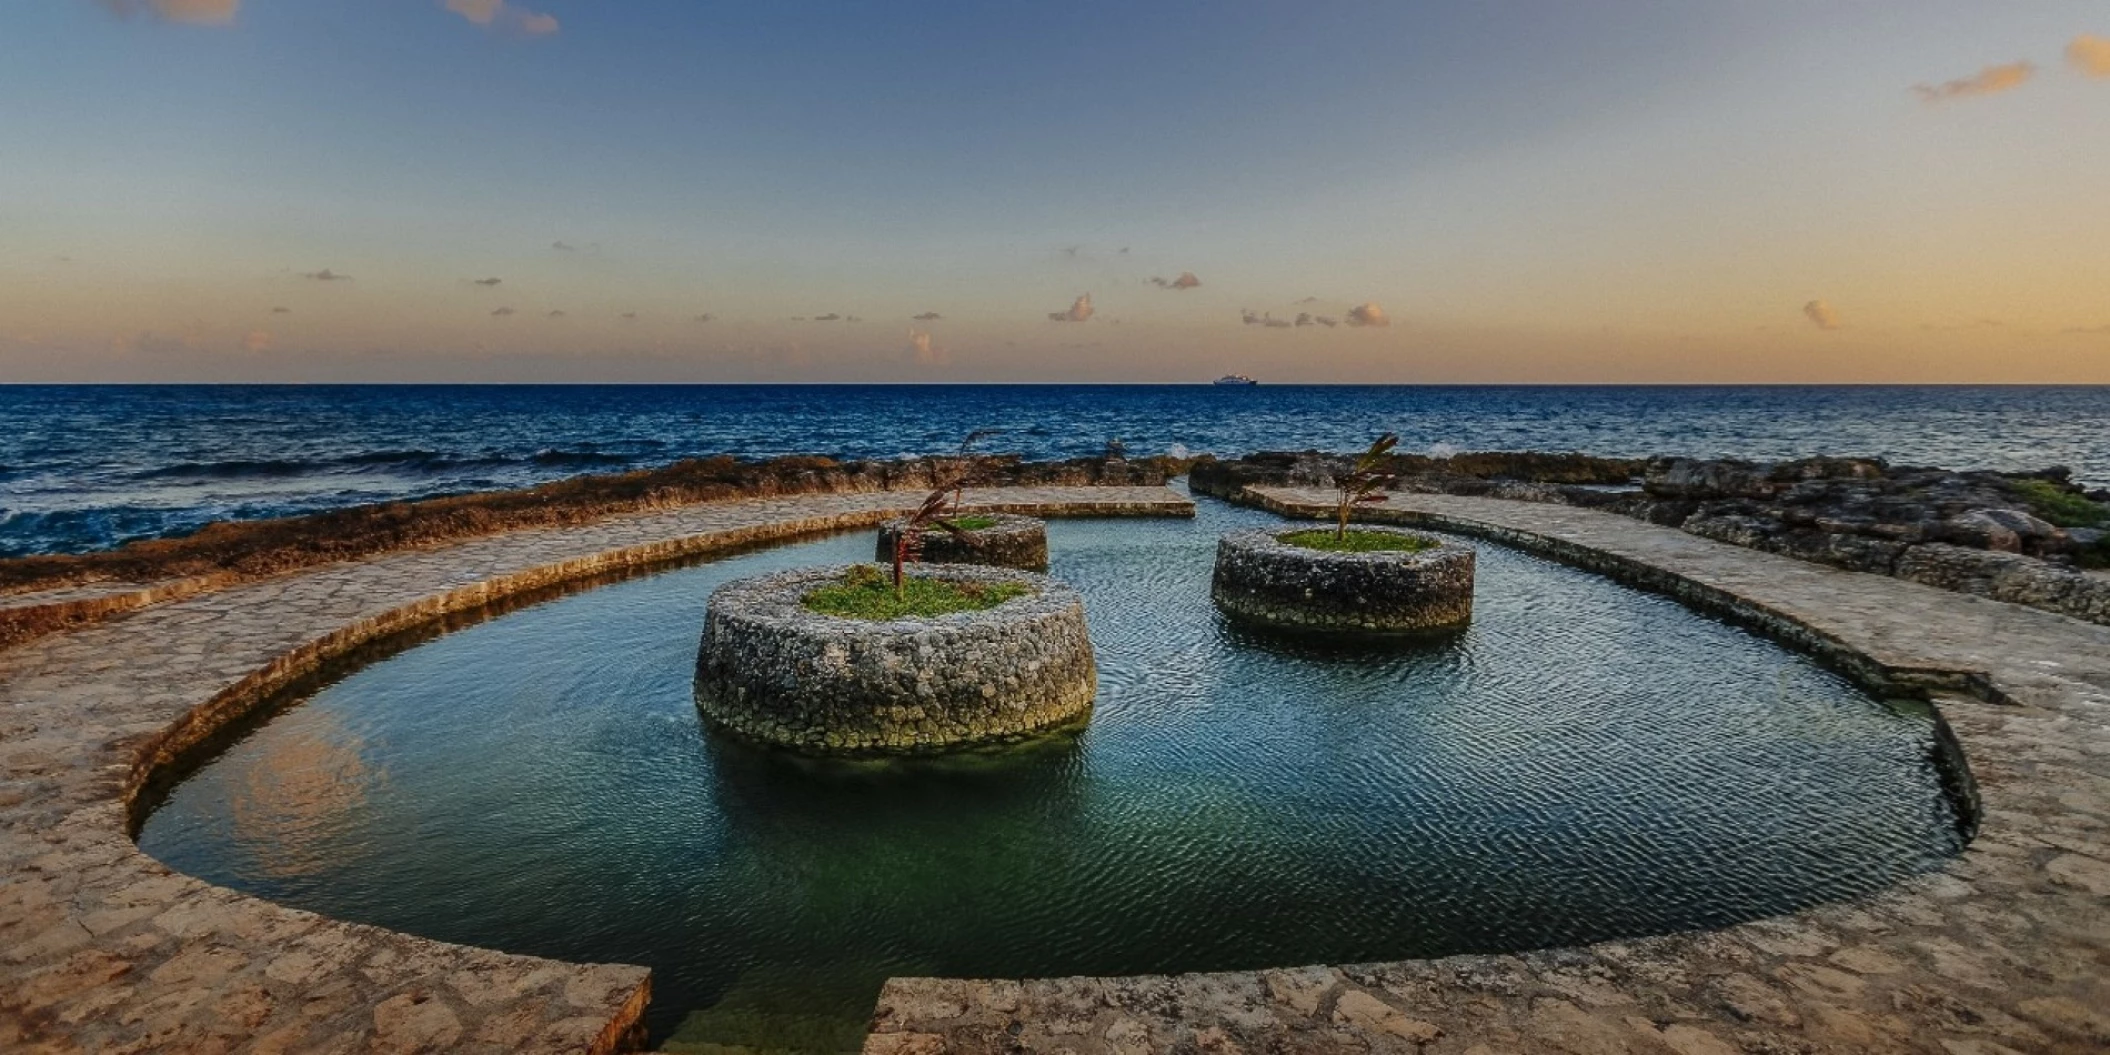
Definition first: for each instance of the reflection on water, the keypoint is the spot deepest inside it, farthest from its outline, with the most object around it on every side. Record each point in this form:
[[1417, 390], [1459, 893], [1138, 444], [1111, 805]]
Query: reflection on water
[[1584, 762], [297, 794]]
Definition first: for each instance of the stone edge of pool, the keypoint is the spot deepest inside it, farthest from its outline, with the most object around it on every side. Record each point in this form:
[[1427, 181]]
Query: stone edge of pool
[[2005, 948], [104, 949]]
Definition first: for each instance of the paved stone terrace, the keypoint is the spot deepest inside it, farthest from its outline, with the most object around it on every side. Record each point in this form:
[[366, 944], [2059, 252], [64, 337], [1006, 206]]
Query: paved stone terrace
[[2006, 949], [103, 949]]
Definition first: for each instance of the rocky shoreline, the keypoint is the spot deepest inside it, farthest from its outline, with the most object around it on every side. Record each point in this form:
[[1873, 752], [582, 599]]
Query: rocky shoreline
[[2028, 538]]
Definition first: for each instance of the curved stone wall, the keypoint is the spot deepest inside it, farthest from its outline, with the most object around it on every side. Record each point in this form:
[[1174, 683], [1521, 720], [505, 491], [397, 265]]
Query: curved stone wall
[[1997, 951], [105, 949], [772, 670], [1262, 580], [2000, 950], [1012, 542]]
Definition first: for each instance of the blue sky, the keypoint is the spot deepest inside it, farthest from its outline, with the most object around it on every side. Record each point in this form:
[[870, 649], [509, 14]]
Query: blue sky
[[1530, 191]]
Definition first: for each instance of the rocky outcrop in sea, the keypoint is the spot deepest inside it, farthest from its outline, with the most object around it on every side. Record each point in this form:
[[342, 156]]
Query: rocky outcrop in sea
[[2028, 538]]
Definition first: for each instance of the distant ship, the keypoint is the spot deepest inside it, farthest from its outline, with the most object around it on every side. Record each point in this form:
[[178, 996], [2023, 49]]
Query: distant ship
[[1235, 379]]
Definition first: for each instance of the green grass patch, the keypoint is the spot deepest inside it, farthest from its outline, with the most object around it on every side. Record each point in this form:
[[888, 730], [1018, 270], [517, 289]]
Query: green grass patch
[[1357, 541], [974, 522], [865, 593], [2060, 506]]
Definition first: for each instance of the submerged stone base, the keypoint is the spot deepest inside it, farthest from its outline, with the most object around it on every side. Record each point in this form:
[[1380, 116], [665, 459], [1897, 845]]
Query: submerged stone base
[[1264, 581], [771, 670], [1012, 542]]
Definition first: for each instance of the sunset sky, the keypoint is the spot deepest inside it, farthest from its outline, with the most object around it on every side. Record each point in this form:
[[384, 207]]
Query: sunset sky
[[477, 190]]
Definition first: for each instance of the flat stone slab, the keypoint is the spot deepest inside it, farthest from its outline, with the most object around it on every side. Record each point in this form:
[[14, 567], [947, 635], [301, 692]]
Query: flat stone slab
[[103, 949], [2004, 949]]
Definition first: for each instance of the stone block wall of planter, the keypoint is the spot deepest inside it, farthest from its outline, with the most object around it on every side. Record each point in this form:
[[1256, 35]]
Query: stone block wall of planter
[[774, 671], [1005, 540], [1262, 580]]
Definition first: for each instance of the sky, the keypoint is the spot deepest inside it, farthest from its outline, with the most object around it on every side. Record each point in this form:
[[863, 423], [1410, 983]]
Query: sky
[[681, 190]]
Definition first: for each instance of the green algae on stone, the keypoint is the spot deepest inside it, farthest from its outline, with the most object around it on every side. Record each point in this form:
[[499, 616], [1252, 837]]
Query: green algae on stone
[[1327, 541], [862, 593]]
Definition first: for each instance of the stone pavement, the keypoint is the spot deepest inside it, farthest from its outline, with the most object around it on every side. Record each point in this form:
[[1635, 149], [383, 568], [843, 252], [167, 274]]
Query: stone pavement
[[2005, 949], [102, 949]]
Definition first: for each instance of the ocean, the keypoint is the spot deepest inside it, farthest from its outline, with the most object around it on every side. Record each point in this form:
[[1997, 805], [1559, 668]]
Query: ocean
[[86, 467]]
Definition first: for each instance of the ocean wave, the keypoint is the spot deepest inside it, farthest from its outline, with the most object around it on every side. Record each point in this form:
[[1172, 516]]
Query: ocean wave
[[402, 461]]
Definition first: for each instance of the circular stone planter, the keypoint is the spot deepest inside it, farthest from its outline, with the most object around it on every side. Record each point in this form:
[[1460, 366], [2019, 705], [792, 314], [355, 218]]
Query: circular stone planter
[[774, 671], [1012, 542], [1264, 581]]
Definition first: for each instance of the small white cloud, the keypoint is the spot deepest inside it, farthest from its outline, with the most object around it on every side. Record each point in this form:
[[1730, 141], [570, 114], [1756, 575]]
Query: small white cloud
[[1989, 81], [922, 351], [564, 247], [1368, 314], [487, 281], [502, 312], [1185, 281], [326, 275], [1080, 310], [256, 341], [1821, 315], [928, 316], [195, 12], [2090, 54]]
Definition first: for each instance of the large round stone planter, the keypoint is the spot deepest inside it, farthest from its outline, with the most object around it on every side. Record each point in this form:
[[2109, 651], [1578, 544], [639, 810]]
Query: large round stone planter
[[1012, 542], [771, 670], [1263, 581]]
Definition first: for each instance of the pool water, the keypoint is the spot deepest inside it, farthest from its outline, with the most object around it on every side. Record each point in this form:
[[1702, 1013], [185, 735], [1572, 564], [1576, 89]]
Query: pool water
[[1585, 762]]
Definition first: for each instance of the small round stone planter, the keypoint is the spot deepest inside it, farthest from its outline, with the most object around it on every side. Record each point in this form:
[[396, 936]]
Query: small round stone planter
[[1012, 542], [1263, 581], [774, 671]]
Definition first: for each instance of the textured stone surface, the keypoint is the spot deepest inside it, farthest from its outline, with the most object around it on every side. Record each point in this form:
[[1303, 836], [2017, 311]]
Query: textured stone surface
[[1965, 531], [771, 670], [102, 949], [1262, 580], [2006, 948], [1012, 542]]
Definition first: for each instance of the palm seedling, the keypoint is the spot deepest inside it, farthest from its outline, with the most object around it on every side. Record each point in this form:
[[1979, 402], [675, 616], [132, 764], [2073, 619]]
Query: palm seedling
[[1365, 483], [950, 487]]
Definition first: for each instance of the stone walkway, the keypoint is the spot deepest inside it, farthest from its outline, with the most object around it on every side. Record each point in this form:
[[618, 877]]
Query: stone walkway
[[2006, 949], [102, 949]]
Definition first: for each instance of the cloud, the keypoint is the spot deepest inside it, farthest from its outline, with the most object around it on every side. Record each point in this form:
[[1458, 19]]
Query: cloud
[[501, 311], [1821, 315], [497, 14], [557, 314], [2090, 54], [830, 317], [1185, 281], [564, 247], [922, 352], [256, 341], [1989, 81], [928, 316], [326, 275], [1368, 314], [1304, 318], [195, 12], [1309, 300], [706, 317], [281, 311], [630, 315], [1327, 321], [1080, 310], [487, 281]]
